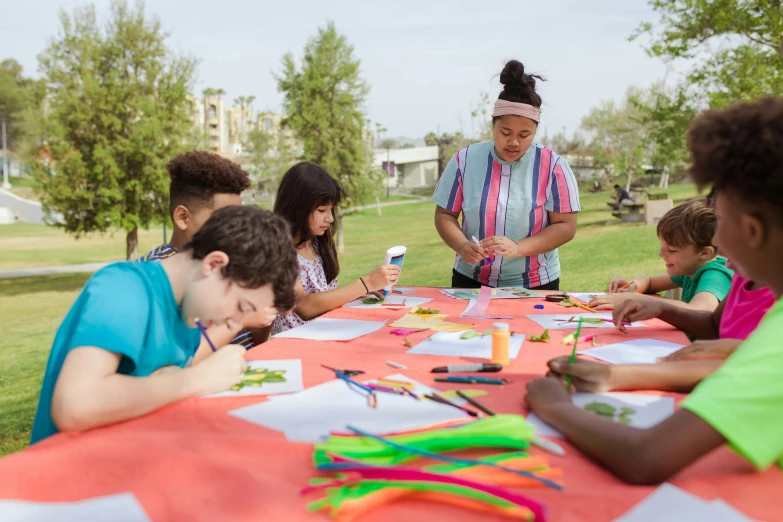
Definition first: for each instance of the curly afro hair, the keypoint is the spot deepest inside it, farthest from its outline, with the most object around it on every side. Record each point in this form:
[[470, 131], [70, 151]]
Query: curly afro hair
[[740, 150], [197, 176]]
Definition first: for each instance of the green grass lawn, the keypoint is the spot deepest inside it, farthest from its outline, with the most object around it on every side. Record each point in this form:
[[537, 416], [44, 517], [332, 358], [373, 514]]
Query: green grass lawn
[[33, 307]]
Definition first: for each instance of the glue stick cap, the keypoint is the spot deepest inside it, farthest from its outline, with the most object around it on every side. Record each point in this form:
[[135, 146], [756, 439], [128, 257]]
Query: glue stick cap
[[501, 327]]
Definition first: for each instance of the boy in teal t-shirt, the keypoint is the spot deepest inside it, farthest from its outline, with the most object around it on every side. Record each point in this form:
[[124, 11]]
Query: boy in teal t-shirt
[[125, 347], [737, 151], [685, 233]]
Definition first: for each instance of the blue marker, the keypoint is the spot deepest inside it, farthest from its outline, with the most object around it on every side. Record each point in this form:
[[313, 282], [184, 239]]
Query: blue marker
[[479, 245]]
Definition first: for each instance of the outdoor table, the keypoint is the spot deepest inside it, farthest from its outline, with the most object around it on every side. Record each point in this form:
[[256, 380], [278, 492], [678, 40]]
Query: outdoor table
[[191, 461]]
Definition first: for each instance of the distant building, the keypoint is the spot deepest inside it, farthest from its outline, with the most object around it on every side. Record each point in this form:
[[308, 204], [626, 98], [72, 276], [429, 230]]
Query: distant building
[[414, 167], [271, 124]]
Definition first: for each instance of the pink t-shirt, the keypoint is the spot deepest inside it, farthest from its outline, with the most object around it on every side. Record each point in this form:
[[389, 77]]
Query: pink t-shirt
[[744, 308]]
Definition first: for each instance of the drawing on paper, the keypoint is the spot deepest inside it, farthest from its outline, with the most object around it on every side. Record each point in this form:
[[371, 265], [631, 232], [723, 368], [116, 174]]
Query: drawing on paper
[[257, 377], [623, 415]]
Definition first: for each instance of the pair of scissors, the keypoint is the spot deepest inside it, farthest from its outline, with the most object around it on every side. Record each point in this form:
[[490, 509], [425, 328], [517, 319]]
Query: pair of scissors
[[349, 373]]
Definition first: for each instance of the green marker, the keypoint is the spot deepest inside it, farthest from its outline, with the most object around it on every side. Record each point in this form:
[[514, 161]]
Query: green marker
[[573, 353]]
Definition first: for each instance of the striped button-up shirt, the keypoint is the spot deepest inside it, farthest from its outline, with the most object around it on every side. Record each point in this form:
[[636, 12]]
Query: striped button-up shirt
[[511, 199]]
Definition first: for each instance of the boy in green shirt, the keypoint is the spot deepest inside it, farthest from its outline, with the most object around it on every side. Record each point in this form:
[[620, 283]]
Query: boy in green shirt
[[738, 151], [691, 261]]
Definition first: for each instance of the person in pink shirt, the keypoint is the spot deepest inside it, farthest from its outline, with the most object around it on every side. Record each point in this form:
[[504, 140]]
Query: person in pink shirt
[[716, 333]]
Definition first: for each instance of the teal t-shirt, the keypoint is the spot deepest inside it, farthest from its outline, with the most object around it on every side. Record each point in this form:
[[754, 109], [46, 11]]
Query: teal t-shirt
[[713, 277], [126, 308]]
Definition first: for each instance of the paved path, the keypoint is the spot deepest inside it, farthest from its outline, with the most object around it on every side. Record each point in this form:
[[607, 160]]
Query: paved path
[[49, 270]]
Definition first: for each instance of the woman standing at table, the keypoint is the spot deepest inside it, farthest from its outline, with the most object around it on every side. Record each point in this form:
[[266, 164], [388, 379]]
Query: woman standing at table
[[517, 197]]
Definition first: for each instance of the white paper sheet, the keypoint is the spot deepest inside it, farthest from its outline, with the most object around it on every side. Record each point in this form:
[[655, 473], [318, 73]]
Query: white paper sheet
[[648, 410], [112, 508], [402, 300], [325, 329], [673, 504], [497, 293], [309, 416], [450, 344], [585, 297], [557, 321], [635, 351], [292, 369]]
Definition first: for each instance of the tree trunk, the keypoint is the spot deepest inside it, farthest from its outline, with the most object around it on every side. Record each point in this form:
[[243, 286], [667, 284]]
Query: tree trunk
[[338, 222], [664, 184], [132, 245]]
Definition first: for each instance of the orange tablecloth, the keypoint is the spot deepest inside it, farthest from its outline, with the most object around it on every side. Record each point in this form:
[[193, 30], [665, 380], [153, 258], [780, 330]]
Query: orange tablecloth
[[191, 461]]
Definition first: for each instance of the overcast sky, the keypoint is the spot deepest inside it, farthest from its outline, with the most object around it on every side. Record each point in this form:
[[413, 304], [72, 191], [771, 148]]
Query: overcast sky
[[426, 61]]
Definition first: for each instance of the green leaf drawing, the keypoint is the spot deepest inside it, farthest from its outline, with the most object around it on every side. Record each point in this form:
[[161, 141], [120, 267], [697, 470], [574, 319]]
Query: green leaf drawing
[[621, 415], [566, 303], [591, 320], [257, 377], [372, 300], [602, 409], [543, 338], [425, 311], [470, 334]]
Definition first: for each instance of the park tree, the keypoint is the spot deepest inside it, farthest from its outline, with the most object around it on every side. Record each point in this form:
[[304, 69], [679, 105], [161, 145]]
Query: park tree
[[665, 113], [619, 136], [270, 155], [737, 46], [448, 144], [324, 102], [117, 111], [20, 96]]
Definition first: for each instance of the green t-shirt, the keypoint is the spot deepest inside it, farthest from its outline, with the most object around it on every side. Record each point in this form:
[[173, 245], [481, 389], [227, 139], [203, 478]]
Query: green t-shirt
[[743, 400], [713, 277]]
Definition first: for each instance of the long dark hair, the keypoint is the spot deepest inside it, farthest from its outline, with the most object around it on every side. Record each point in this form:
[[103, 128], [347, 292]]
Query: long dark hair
[[305, 187]]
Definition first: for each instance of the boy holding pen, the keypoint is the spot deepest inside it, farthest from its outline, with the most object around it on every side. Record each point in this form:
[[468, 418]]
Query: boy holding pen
[[692, 263], [739, 151], [125, 347]]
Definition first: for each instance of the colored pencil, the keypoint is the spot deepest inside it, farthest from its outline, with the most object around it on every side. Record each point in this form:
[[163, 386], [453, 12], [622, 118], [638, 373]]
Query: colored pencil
[[204, 331], [476, 403]]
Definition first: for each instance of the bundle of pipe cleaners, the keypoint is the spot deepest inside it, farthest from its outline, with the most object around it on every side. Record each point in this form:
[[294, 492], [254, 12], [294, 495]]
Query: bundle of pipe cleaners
[[368, 472]]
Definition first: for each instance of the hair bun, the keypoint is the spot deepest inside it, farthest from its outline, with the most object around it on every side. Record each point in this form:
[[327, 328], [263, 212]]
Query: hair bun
[[513, 75]]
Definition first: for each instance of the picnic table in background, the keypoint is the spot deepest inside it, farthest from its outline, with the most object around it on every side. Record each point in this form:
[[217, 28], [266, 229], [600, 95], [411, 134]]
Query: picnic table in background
[[192, 461]]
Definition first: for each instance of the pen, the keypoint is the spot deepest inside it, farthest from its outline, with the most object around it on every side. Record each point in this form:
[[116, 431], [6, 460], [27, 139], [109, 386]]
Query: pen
[[472, 380], [479, 245], [478, 367], [204, 331]]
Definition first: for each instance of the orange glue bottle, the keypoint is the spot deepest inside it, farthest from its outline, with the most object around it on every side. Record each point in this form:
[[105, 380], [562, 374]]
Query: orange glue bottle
[[500, 337]]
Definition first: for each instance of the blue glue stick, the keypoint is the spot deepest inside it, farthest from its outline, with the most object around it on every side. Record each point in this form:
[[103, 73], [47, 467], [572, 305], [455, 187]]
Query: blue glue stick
[[394, 256]]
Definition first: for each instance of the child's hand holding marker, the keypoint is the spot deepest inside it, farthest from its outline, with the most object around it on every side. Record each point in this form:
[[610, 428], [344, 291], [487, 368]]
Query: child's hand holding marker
[[621, 285], [220, 371], [586, 376]]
